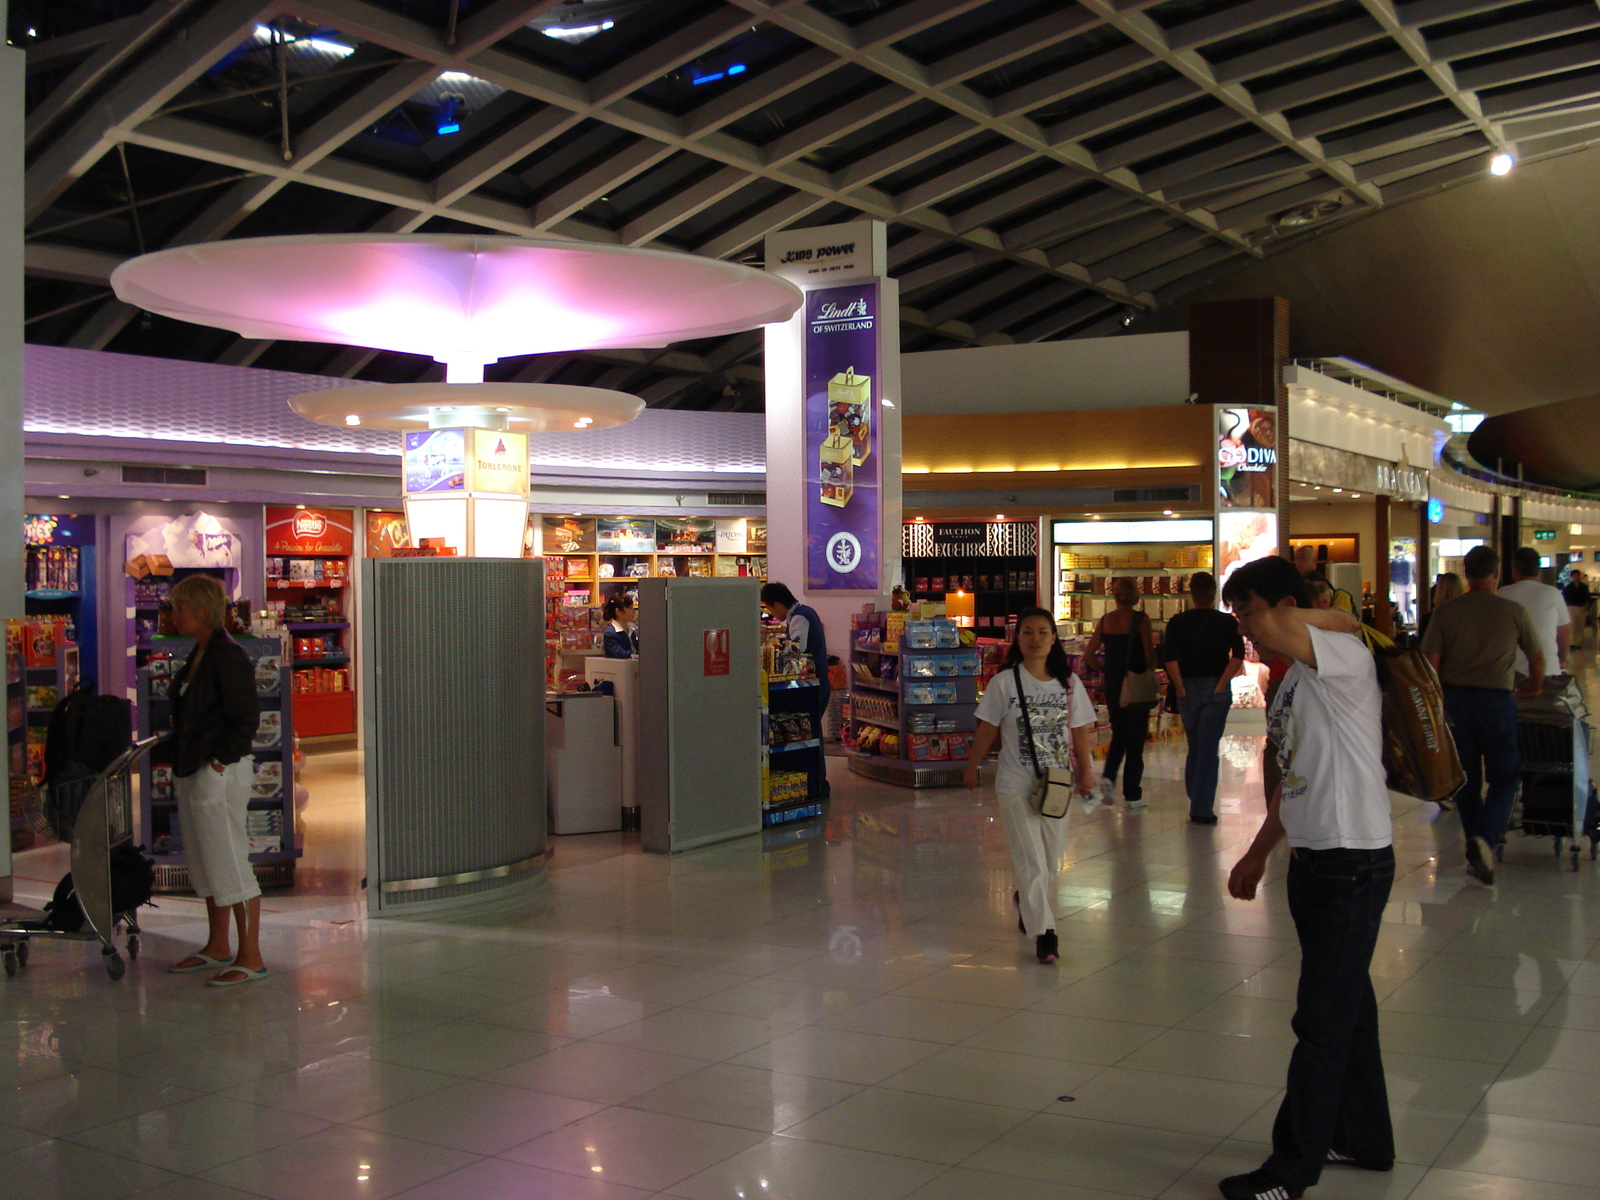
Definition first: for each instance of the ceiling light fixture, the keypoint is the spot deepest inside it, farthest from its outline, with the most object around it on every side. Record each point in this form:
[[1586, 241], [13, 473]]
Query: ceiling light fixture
[[352, 419], [449, 114], [1501, 163]]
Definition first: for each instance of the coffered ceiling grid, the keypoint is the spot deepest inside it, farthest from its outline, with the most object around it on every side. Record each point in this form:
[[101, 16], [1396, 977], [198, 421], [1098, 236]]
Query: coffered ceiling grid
[[1047, 169]]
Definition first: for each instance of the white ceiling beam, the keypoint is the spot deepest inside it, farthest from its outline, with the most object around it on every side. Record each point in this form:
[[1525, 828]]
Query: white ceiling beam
[[1136, 260], [1011, 43], [1546, 60], [1088, 250], [1563, 89], [1157, 278], [145, 89], [1086, 213], [1242, 216], [1361, 74], [502, 153], [783, 212], [618, 168], [1195, 128], [838, 122], [1422, 157], [1238, 175], [1283, 53], [80, 43], [1137, 106], [1251, 145], [900, 23], [1015, 199], [1037, 300], [1079, 77], [1503, 35], [123, 41], [1242, 18], [667, 53], [103, 324], [1440, 74], [942, 269], [1065, 319], [68, 263], [968, 175], [1012, 279], [906, 151], [683, 204], [735, 103], [1197, 70], [1413, 93], [481, 29]]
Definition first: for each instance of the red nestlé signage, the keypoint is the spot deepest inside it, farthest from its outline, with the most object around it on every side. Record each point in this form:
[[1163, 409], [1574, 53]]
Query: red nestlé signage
[[310, 531]]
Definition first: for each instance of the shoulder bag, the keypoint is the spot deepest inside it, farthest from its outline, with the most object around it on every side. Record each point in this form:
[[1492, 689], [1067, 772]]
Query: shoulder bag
[[1138, 687], [1419, 753], [1052, 788]]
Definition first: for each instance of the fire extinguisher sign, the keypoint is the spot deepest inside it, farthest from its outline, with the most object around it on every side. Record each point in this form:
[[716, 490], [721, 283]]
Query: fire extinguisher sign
[[716, 652]]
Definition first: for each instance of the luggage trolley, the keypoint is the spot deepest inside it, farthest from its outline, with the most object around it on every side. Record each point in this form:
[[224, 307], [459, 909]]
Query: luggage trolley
[[104, 820], [1557, 796]]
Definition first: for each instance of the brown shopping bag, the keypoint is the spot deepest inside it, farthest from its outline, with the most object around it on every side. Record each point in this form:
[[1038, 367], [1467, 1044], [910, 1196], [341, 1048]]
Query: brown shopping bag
[[1419, 752]]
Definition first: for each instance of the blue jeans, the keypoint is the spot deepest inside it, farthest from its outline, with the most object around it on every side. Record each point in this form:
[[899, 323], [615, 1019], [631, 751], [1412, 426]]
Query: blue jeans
[[1484, 722], [1336, 1098], [1204, 713]]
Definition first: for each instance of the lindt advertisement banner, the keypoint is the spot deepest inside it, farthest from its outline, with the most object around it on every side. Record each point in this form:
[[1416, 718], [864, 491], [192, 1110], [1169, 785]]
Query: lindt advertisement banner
[[843, 388]]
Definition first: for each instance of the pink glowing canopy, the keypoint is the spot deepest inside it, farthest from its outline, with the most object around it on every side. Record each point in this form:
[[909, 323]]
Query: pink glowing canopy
[[461, 299]]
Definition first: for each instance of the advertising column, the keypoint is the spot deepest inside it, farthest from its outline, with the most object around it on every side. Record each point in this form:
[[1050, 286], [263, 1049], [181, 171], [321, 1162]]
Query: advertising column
[[833, 427], [466, 490], [1247, 487]]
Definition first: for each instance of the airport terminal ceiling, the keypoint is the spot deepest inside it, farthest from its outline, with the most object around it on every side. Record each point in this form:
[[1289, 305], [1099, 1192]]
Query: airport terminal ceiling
[[1047, 169]]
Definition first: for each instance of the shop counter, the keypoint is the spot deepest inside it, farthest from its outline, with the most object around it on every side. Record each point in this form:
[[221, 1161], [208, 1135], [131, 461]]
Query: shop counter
[[623, 675], [583, 763]]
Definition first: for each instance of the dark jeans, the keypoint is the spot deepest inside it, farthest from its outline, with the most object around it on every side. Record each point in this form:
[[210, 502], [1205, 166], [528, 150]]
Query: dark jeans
[[1130, 727], [1336, 1097], [1484, 722], [1204, 713]]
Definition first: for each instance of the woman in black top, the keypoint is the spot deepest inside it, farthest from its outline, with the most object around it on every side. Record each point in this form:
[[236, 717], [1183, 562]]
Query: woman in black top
[[214, 715], [1122, 642]]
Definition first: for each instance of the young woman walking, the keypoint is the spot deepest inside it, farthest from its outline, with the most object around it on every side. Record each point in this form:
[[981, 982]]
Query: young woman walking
[[1061, 721]]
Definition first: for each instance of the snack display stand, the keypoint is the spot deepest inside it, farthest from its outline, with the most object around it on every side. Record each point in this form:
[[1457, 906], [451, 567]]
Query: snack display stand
[[308, 580], [41, 667], [792, 766], [914, 686], [993, 565], [270, 820], [61, 577]]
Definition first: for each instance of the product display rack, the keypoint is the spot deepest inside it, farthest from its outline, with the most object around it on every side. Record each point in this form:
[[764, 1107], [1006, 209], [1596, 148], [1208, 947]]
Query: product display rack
[[40, 669], [313, 611], [792, 765], [1083, 576], [599, 569], [1000, 587], [271, 810], [913, 701], [146, 596], [62, 575]]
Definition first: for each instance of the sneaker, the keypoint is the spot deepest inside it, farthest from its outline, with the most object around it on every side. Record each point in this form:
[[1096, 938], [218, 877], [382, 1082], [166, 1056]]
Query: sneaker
[[1257, 1185], [1135, 805], [1046, 948], [1480, 860], [1335, 1159]]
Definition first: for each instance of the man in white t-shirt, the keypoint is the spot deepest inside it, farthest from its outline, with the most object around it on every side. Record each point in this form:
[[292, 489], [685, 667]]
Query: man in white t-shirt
[[1547, 608], [1333, 809]]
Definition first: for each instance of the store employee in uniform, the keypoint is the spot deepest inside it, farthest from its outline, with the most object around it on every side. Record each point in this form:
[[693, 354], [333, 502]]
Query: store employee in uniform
[[804, 627], [622, 638]]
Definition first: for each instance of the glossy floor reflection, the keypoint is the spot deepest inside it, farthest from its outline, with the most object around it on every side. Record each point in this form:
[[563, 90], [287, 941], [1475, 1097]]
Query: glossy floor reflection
[[842, 1011]]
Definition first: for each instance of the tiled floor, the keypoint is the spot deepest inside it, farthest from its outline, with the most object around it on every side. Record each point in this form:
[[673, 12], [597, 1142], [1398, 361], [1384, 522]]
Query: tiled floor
[[842, 1012]]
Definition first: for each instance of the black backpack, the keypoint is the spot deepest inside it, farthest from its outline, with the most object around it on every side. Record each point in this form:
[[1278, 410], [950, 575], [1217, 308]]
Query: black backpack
[[133, 882], [86, 734]]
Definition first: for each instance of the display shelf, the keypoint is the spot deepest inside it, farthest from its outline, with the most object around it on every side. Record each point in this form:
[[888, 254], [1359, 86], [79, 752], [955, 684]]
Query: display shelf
[[315, 626], [791, 725], [327, 660], [786, 747], [274, 850], [309, 557], [783, 815]]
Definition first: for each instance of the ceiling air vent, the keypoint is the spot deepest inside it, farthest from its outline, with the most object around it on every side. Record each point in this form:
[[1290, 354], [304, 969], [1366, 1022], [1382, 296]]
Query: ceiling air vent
[[1151, 495], [178, 476], [737, 499]]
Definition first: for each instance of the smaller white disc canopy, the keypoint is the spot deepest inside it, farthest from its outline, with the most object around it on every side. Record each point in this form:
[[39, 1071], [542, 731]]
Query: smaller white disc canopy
[[523, 407]]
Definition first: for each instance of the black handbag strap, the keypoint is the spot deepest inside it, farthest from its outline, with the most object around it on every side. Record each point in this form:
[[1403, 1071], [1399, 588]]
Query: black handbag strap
[[1027, 725]]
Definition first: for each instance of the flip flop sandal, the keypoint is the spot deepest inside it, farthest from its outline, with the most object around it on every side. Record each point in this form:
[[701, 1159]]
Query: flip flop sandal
[[196, 963], [245, 975]]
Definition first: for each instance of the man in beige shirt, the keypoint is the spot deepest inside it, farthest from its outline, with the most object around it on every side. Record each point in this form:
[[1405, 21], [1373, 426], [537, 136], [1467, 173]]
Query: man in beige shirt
[[1473, 642]]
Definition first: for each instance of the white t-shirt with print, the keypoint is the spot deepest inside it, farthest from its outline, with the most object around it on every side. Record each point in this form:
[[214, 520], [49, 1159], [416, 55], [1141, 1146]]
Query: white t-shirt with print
[[1547, 609], [1051, 713], [1327, 721]]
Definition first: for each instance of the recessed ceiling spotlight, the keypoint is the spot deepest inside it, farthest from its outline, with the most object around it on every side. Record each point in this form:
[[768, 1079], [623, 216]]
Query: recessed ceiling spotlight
[[352, 419], [1501, 164]]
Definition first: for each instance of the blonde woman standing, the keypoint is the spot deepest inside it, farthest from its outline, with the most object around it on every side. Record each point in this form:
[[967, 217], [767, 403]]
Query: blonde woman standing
[[214, 714]]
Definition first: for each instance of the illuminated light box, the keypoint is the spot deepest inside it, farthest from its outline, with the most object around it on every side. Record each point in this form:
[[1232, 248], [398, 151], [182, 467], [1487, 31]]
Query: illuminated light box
[[466, 300], [524, 407], [1177, 529]]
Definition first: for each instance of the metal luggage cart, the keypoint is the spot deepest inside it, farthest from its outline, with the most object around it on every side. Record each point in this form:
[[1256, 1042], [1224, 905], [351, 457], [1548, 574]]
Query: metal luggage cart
[[1557, 797], [104, 821]]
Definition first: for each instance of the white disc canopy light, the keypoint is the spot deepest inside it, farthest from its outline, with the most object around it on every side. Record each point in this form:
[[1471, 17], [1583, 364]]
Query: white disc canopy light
[[465, 300]]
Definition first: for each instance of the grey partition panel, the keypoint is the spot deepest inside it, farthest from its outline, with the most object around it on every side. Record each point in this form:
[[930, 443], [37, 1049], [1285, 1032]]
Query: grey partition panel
[[699, 733], [453, 670]]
